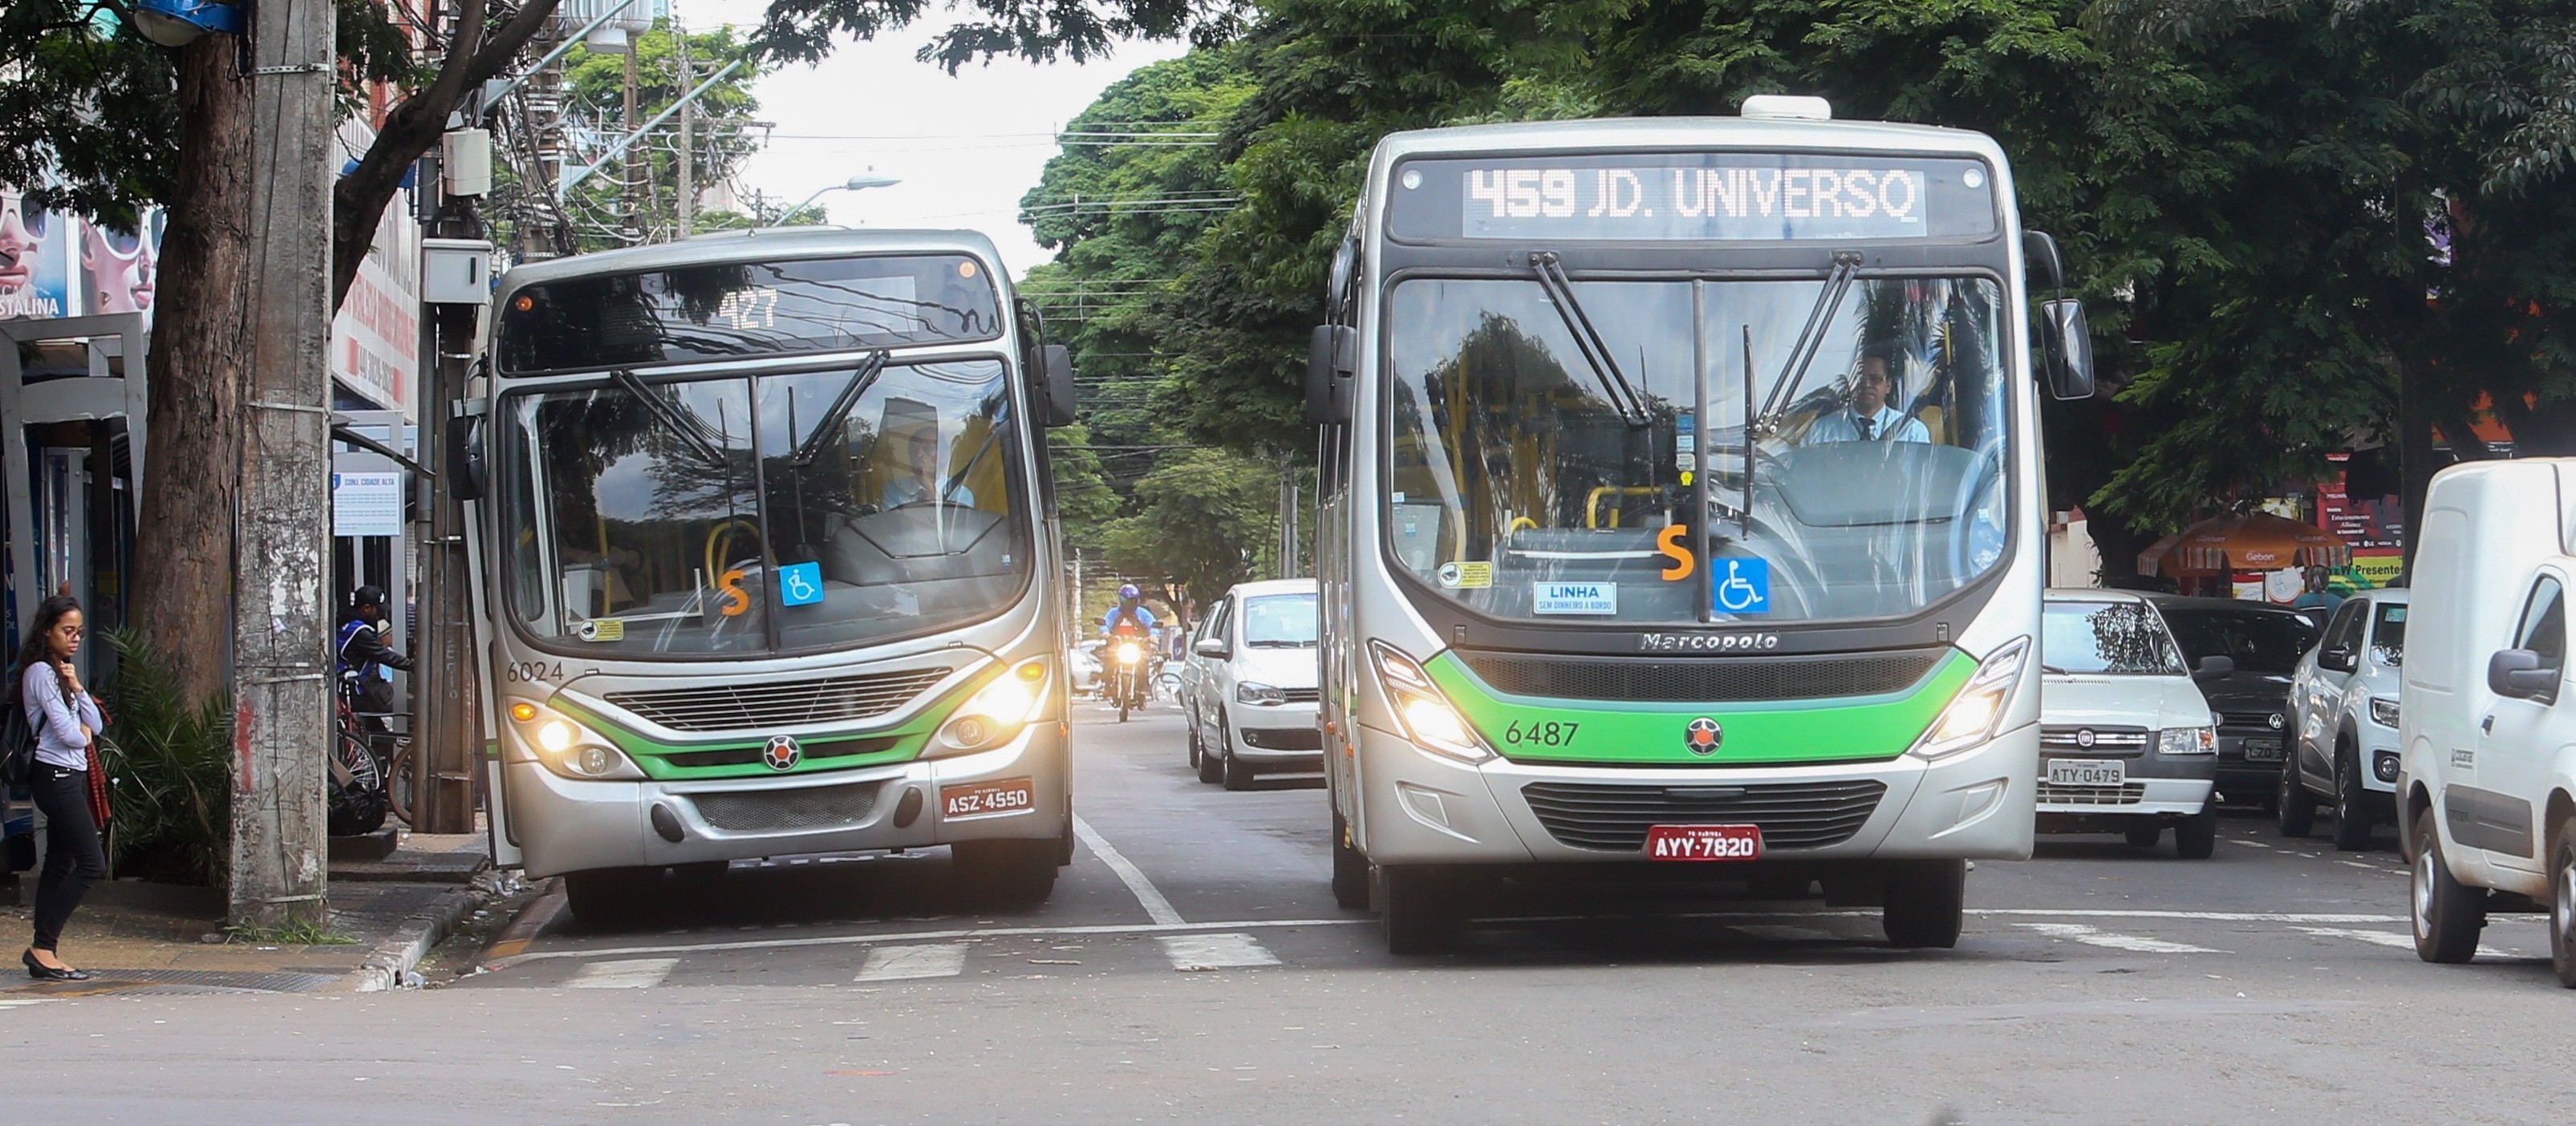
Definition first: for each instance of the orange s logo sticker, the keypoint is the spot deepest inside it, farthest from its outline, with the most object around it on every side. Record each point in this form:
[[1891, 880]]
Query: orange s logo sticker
[[737, 600], [1669, 543]]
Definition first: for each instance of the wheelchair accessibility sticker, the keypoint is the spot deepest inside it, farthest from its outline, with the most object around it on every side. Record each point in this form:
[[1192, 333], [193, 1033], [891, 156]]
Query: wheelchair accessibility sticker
[[1743, 585], [800, 584]]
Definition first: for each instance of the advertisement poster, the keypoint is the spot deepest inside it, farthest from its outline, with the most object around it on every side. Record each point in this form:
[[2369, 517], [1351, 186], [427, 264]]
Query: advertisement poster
[[2376, 529], [120, 269], [375, 335], [35, 267]]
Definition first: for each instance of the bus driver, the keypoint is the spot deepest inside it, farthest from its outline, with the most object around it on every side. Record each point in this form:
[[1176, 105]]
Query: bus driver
[[923, 457], [1869, 418]]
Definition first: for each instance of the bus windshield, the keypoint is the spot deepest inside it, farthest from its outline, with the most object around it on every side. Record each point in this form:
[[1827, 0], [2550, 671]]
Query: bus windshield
[[1522, 489], [783, 513]]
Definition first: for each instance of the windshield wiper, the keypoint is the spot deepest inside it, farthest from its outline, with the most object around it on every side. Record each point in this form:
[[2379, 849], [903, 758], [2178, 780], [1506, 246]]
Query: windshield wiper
[[1793, 374], [839, 413], [681, 423], [1624, 397]]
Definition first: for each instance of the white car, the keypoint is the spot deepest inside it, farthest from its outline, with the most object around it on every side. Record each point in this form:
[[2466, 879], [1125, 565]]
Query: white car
[[2127, 742], [2343, 719], [2486, 781], [1252, 693]]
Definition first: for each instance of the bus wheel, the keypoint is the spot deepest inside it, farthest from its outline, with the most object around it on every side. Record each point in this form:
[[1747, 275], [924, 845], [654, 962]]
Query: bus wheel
[[1012, 873], [1421, 910], [1923, 903], [1350, 869], [610, 897]]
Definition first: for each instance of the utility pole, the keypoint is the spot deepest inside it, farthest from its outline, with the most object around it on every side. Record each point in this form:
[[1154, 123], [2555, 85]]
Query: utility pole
[[282, 664], [685, 208], [629, 167], [1287, 519]]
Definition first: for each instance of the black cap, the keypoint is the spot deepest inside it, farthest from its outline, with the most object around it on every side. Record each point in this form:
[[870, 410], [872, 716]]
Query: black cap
[[367, 596]]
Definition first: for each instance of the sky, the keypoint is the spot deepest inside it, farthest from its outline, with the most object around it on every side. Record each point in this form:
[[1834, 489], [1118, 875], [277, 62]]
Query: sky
[[966, 148]]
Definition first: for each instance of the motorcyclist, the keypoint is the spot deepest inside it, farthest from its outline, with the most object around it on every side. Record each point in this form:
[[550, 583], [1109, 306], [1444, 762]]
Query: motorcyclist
[[364, 654], [1129, 620]]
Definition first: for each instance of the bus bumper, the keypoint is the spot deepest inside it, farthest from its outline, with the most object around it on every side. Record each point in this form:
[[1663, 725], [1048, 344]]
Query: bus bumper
[[565, 825], [1422, 808]]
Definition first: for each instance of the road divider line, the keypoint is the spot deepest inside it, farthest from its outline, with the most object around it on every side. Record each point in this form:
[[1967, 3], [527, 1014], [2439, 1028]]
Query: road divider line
[[634, 973], [921, 936], [905, 963], [2199, 916], [1219, 951], [2078, 932], [1157, 908]]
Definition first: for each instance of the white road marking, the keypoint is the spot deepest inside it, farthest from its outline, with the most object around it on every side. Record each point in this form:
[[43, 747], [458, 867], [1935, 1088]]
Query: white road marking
[[22, 1002], [1227, 950], [918, 936], [2247, 843], [2202, 916], [2078, 932], [2395, 941], [1157, 908], [636, 973], [904, 963]]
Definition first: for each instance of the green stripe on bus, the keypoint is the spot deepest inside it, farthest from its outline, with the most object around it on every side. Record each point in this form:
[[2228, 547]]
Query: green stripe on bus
[[912, 738], [1657, 733]]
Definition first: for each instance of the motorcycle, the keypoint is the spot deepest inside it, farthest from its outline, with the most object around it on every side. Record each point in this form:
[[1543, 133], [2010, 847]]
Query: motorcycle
[[1130, 685]]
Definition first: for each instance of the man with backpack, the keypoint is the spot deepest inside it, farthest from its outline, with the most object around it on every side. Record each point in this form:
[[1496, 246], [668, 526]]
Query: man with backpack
[[364, 654]]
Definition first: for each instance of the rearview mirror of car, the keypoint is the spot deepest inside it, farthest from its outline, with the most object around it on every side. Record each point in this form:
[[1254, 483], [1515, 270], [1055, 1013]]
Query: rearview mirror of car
[[2519, 674], [2214, 668], [1210, 648], [2337, 659]]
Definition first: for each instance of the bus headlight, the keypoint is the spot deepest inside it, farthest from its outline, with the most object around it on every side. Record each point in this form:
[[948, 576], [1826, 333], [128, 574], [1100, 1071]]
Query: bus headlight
[[1429, 719], [1974, 713], [570, 748], [997, 711]]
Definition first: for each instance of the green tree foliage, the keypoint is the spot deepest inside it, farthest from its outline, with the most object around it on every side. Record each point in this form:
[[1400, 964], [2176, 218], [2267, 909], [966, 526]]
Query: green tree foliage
[[595, 106], [1204, 520], [171, 768]]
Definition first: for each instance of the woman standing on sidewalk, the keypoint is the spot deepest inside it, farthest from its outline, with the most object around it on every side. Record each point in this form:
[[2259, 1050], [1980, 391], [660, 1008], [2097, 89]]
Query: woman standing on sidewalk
[[70, 785]]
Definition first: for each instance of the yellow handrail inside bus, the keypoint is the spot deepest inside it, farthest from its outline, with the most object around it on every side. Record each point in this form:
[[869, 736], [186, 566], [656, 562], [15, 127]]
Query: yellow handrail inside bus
[[1592, 502]]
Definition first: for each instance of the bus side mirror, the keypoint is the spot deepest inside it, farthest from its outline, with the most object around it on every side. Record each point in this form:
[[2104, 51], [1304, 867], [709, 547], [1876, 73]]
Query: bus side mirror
[[2041, 266], [1328, 365], [465, 466], [2066, 348], [1058, 362]]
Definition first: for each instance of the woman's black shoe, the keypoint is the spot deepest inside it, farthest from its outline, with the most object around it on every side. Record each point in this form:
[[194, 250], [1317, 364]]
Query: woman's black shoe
[[42, 972]]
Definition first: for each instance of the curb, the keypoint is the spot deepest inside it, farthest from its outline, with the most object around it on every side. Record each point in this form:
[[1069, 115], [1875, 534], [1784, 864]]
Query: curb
[[393, 959], [533, 918]]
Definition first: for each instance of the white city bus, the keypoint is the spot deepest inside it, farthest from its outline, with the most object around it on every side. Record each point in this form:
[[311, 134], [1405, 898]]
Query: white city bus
[[765, 561], [1682, 503]]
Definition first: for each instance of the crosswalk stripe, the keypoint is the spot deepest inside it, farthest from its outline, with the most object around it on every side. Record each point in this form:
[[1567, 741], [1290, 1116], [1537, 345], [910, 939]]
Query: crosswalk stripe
[[2394, 941], [2078, 932], [905, 963], [1228, 950], [634, 973]]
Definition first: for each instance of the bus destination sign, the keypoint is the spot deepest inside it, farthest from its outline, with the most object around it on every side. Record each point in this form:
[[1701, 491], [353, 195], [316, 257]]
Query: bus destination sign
[[1693, 197]]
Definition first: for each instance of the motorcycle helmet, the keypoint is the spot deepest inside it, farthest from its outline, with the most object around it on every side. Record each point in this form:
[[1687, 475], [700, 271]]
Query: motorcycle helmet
[[1129, 591]]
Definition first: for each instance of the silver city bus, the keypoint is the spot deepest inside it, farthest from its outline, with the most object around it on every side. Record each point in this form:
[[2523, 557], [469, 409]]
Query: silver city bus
[[765, 560], [1682, 503]]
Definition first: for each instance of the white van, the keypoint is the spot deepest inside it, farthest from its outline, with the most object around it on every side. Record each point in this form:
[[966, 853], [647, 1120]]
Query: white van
[[2487, 720], [2127, 742]]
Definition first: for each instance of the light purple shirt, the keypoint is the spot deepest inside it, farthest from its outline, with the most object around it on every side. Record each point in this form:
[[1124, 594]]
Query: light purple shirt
[[58, 721]]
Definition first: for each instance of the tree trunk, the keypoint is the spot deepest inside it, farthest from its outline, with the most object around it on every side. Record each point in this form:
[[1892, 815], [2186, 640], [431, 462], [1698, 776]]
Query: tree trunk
[[199, 363]]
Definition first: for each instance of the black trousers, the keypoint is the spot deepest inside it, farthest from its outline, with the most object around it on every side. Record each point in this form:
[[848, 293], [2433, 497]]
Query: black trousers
[[73, 859]]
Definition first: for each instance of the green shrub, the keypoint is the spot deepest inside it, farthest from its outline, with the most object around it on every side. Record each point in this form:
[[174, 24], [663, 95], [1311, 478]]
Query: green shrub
[[169, 768]]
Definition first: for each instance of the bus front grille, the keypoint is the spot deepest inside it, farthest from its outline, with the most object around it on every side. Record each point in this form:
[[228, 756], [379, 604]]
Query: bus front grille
[[1615, 817], [813, 807], [761, 707], [1701, 679]]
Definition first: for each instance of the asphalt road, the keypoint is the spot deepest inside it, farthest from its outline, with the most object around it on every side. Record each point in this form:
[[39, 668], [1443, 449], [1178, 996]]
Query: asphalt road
[[1192, 967]]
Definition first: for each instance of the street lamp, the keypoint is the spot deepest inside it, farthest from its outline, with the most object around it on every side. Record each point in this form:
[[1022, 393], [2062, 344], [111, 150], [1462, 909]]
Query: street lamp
[[856, 183]]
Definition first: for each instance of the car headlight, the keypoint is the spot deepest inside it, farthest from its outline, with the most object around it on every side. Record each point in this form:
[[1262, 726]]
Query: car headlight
[[1427, 715], [2187, 741], [1253, 692], [997, 711], [1974, 713], [2383, 711], [569, 747]]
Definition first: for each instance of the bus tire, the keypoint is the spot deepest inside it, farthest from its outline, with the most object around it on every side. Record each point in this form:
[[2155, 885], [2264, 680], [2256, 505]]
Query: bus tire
[[1350, 869], [2298, 809], [609, 897], [2447, 915], [1924, 903], [1421, 909], [1006, 873], [2196, 836]]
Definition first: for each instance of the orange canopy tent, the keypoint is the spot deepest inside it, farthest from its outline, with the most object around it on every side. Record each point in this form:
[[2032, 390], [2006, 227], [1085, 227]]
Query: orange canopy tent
[[2249, 541]]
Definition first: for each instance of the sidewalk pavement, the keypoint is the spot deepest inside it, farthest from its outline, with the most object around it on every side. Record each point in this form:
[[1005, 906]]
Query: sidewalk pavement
[[386, 914]]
